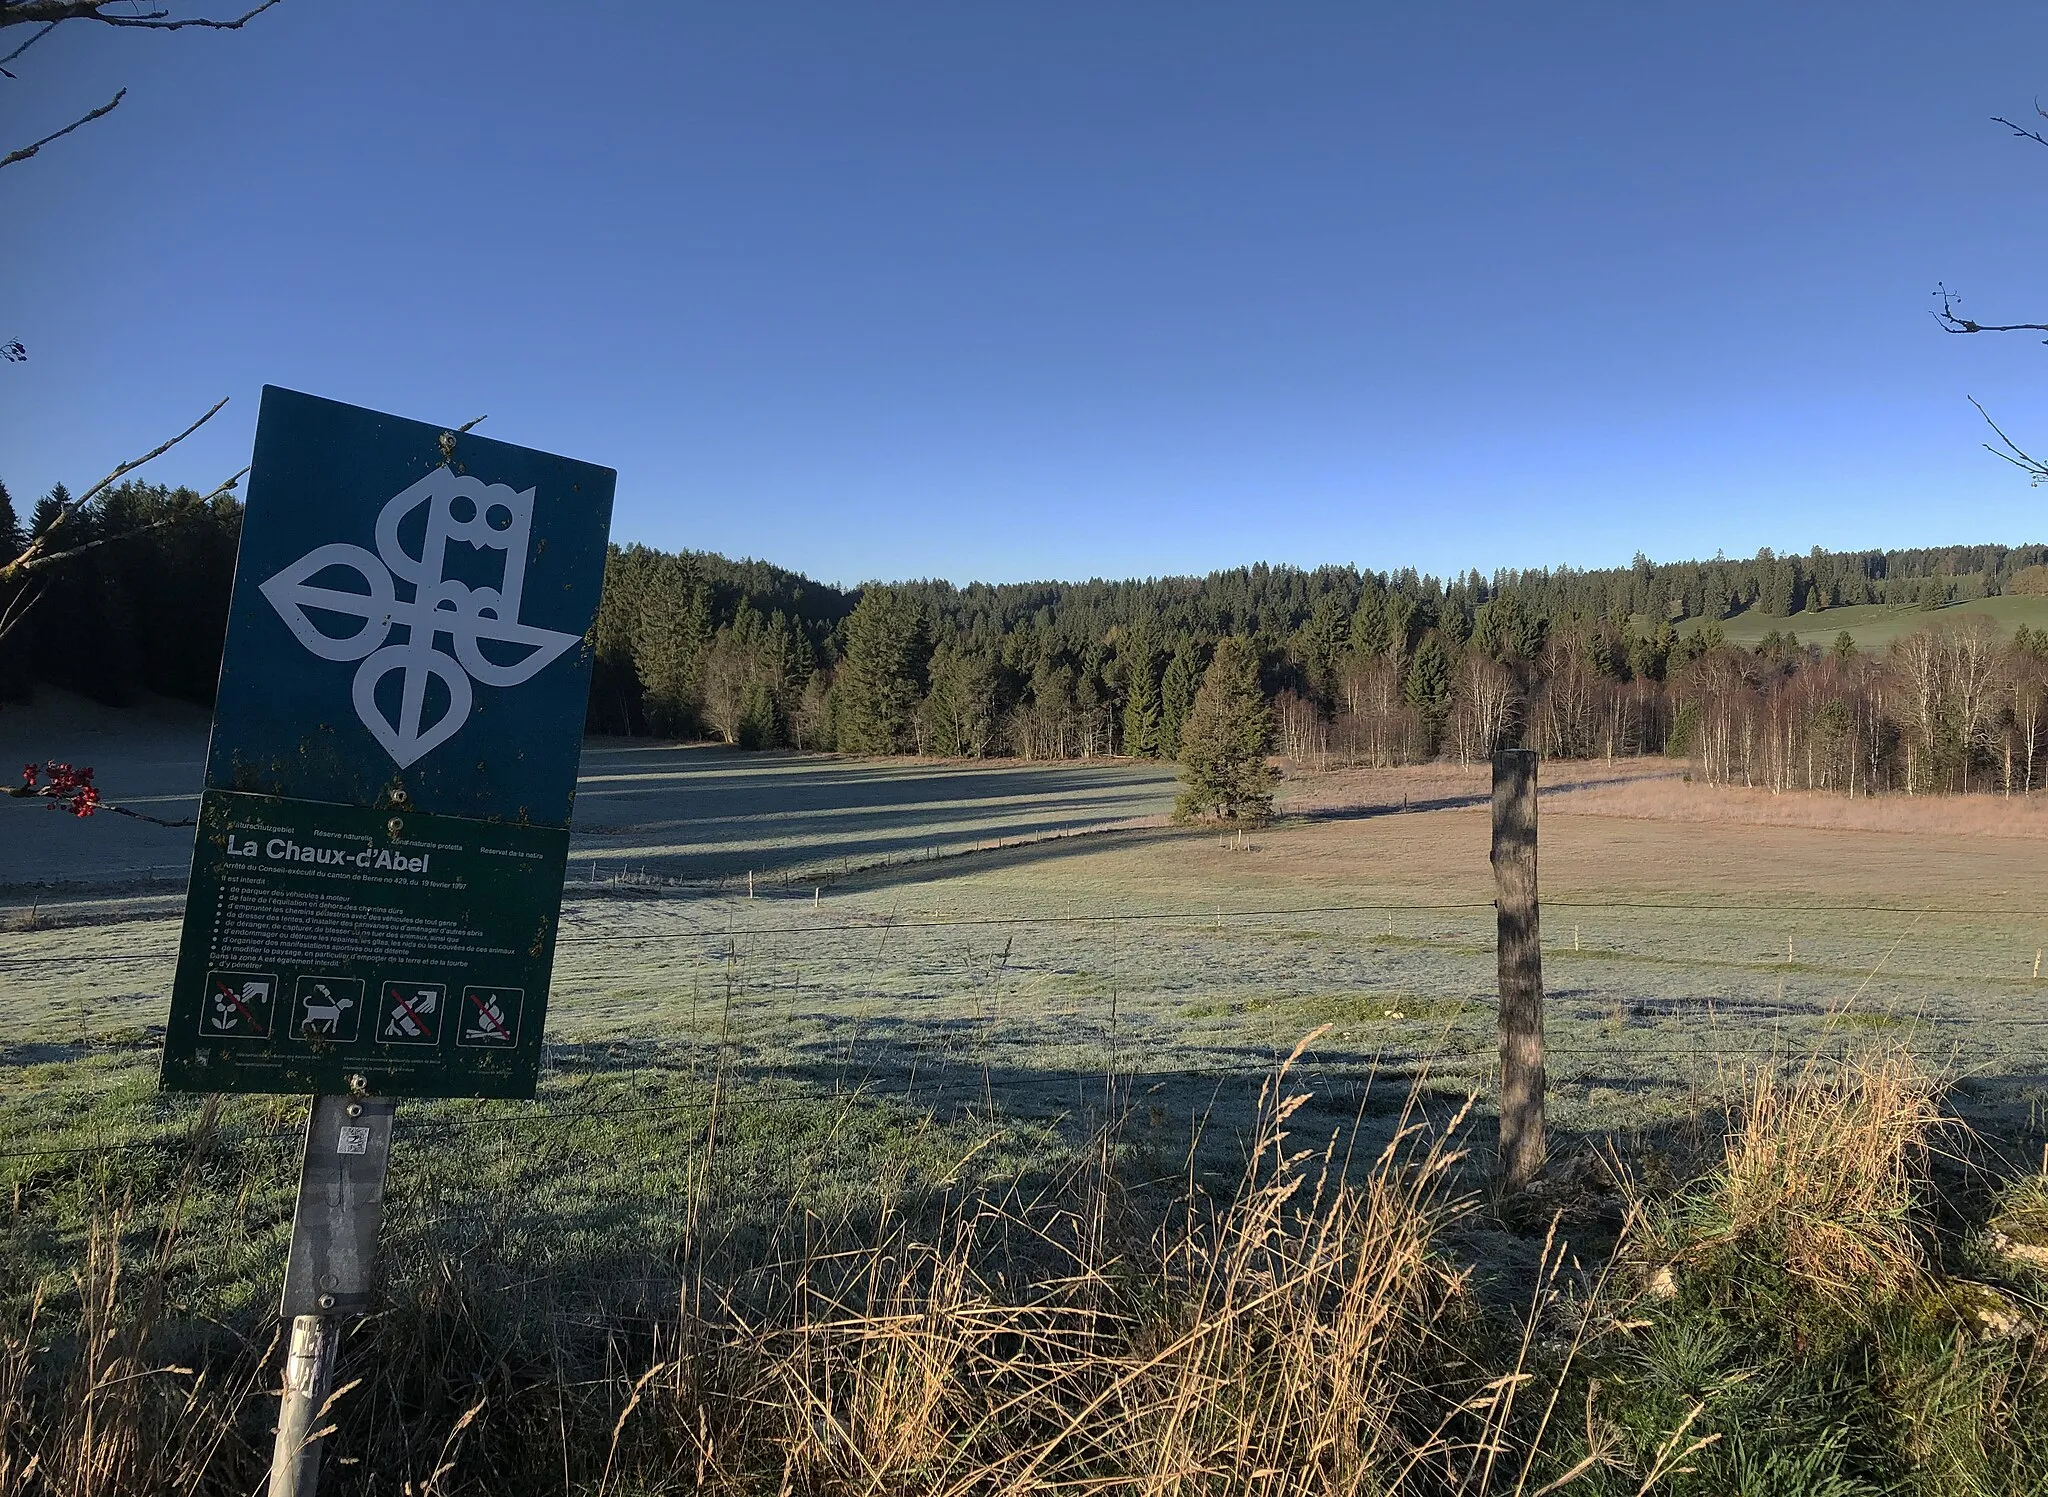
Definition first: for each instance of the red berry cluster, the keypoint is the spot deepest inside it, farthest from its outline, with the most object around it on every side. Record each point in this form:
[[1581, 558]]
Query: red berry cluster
[[68, 789]]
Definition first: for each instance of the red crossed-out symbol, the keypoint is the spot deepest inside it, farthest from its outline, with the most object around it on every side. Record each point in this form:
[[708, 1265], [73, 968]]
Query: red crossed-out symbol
[[490, 1015], [229, 994], [410, 1013]]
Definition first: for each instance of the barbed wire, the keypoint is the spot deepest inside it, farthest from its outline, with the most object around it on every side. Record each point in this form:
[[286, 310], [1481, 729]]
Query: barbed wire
[[886, 924]]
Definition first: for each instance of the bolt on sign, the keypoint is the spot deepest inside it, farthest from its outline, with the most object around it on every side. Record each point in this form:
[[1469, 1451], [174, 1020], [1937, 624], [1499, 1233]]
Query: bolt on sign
[[377, 881]]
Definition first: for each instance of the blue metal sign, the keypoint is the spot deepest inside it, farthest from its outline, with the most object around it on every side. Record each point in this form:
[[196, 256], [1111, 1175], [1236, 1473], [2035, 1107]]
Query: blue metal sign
[[407, 617], [393, 761]]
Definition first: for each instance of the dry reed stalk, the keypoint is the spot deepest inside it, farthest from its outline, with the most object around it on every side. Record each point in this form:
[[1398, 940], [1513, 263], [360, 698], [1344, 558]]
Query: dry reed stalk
[[1303, 1335], [120, 1421]]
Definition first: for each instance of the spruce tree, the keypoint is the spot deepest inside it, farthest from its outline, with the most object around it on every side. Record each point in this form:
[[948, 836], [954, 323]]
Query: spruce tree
[[1428, 686], [1177, 698], [1403, 616], [675, 632], [1369, 624], [881, 681], [1142, 719], [11, 538], [1225, 741], [1321, 640]]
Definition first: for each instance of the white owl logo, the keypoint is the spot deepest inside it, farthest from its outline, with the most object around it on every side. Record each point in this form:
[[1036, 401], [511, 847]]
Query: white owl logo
[[493, 517]]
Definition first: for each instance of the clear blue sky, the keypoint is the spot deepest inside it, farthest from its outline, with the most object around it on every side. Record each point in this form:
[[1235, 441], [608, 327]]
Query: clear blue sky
[[1008, 291]]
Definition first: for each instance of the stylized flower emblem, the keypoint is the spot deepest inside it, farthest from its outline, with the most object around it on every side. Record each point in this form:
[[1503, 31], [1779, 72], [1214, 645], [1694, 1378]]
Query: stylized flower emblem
[[490, 517]]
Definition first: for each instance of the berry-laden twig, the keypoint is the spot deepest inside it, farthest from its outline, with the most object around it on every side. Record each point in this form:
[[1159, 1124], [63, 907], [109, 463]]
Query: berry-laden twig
[[68, 788]]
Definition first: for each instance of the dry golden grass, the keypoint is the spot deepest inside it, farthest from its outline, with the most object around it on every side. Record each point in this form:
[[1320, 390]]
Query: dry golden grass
[[1823, 1176], [1649, 836], [1656, 789], [1304, 1335], [1971, 816], [1306, 789]]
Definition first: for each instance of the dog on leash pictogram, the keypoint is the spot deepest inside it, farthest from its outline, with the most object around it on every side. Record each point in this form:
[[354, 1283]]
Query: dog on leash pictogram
[[328, 1008]]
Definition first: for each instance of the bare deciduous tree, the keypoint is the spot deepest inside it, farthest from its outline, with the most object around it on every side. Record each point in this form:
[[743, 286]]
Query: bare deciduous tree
[[1952, 320], [60, 540], [47, 15]]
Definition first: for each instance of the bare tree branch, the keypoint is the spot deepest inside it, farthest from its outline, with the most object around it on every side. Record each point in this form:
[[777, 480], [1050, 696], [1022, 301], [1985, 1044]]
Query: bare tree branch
[[17, 608], [53, 11], [155, 452], [47, 15], [1948, 317], [22, 569], [30, 559], [27, 151], [2025, 461], [47, 29], [37, 563], [1955, 323], [72, 790], [107, 805], [2034, 135]]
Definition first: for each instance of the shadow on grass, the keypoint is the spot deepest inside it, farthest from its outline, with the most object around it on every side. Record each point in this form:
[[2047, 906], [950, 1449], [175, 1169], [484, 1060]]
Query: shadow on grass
[[706, 813]]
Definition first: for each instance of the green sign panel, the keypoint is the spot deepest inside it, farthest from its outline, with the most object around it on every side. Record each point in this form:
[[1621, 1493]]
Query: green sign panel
[[328, 942], [377, 879]]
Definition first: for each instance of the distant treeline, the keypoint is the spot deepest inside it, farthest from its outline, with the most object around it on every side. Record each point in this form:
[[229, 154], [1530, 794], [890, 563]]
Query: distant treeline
[[145, 611], [1378, 667], [1368, 667]]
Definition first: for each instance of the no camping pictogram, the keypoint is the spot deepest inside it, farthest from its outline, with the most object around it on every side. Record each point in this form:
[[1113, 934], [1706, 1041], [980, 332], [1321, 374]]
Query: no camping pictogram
[[411, 1013], [238, 1005], [490, 1017]]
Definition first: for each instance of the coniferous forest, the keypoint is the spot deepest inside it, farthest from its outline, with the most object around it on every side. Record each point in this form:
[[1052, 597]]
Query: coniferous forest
[[1356, 666]]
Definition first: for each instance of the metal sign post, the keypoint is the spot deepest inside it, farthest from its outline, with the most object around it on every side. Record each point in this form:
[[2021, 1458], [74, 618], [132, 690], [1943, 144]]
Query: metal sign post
[[377, 878], [327, 1274]]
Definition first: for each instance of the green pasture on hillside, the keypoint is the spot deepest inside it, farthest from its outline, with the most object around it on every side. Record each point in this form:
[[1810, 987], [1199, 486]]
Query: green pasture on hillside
[[1875, 625]]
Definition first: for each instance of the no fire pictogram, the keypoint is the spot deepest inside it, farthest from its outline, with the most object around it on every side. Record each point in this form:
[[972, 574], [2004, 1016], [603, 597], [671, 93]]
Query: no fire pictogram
[[411, 1013], [490, 1017], [238, 1005]]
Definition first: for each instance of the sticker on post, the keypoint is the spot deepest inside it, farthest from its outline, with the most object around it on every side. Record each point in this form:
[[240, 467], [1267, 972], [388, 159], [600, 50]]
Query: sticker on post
[[328, 1008], [237, 1005], [411, 1013], [490, 1017], [353, 1140]]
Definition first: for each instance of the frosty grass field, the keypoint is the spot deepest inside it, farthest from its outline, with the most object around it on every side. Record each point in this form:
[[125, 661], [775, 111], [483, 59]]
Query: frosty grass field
[[904, 1000]]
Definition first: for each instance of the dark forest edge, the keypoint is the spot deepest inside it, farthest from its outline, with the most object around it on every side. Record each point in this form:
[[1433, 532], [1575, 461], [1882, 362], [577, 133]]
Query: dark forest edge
[[1358, 666]]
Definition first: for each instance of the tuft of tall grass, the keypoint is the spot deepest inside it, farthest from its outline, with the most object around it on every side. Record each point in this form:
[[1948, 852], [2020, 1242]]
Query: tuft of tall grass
[[94, 1408], [1798, 1309], [1823, 1177], [1304, 1334]]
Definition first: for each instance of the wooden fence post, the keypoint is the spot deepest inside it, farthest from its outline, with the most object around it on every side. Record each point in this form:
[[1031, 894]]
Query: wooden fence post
[[1521, 967]]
